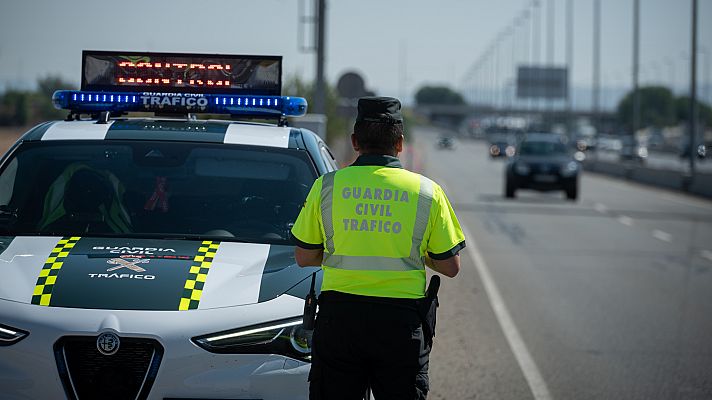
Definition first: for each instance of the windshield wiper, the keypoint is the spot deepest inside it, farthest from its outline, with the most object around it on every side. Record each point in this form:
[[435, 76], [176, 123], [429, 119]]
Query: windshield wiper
[[7, 211], [7, 217]]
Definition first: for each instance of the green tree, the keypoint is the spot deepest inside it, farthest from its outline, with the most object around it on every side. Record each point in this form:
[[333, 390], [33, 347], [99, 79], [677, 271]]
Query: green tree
[[682, 111], [21, 108], [335, 125], [51, 83], [438, 95], [14, 108], [41, 100], [657, 107]]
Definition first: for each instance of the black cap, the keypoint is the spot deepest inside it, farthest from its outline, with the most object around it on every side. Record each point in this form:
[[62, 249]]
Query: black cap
[[379, 109]]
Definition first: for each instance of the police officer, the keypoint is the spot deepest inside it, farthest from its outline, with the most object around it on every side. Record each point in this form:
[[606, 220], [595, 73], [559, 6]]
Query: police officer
[[373, 227]]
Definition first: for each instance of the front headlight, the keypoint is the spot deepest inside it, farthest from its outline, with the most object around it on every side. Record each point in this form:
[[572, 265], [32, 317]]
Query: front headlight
[[9, 335], [570, 169], [521, 168], [510, 151], [285, 337]]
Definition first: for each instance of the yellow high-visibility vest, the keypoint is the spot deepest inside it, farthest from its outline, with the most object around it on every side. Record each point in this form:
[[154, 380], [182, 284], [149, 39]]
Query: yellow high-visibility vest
[[375, 224]]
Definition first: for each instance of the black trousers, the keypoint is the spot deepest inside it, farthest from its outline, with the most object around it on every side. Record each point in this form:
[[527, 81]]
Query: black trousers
[[359, 344]]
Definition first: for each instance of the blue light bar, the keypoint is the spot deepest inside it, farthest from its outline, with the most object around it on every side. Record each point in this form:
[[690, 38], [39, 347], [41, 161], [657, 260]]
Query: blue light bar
[[254, 106]]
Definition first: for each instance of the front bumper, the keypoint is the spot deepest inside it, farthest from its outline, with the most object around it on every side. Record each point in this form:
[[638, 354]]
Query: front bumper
[[543, 182], [29, 370]]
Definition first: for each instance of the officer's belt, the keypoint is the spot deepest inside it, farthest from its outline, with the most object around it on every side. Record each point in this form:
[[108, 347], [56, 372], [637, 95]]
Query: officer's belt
[[331, 297]]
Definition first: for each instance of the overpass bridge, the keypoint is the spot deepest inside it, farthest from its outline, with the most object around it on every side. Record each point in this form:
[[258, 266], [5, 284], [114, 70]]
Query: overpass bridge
[[454, 115]]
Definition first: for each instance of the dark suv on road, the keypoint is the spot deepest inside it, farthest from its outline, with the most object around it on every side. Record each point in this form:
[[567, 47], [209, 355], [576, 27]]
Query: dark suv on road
[[543, 162]]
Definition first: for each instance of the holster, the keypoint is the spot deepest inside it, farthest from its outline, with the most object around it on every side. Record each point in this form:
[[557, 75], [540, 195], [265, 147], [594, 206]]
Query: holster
[[428, 309]]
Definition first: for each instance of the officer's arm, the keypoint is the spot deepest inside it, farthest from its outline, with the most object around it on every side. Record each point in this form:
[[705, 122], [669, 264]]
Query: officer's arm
[[448, 267], [308, 257]]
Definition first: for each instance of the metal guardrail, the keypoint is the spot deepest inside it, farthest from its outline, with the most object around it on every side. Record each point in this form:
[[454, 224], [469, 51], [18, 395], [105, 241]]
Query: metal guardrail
[[699, 184]]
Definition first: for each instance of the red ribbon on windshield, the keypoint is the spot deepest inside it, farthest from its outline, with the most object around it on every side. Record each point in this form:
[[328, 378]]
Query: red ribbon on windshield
[[159, 197]]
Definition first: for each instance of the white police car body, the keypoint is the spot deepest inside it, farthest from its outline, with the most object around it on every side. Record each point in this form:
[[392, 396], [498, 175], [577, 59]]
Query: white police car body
[[149, 258]]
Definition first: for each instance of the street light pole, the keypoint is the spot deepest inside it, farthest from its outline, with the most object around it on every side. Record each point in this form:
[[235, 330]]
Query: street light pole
[[550, 51], [636, 66], [693, 91], [320, 87], [497, 66], [537, 32], [538, 56], [550, 41], [513, 37], [595, 101], [569, 62]]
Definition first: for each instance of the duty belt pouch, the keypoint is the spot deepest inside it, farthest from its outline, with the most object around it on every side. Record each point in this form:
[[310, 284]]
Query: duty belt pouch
[[429, 308]]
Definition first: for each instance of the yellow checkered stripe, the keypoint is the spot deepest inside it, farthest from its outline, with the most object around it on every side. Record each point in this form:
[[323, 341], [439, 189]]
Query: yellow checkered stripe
[[48, 276], [193, 288]]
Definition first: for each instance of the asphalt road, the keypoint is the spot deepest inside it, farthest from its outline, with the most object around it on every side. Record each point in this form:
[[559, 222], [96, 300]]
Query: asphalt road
[[609, 297]]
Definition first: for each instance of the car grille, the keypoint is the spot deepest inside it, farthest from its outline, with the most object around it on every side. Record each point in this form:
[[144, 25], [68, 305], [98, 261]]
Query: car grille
[[88, 374], [551, 169]]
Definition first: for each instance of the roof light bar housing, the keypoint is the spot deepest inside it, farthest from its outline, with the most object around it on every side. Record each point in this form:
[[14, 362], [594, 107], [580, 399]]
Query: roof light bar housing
[[92, 102]]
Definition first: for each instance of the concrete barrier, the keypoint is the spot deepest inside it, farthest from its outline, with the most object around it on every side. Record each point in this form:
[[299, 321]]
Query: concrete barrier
[[700, 185], [607, 168], [658, 177]]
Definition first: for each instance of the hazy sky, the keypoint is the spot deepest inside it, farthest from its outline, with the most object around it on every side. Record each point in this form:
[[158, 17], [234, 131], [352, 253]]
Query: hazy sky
[[397, 45]]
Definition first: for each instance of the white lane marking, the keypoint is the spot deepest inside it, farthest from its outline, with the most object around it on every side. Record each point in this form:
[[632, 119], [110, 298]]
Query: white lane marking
[[600, 208], [661, 235], [706, 254], [625, 220], [537, 385]]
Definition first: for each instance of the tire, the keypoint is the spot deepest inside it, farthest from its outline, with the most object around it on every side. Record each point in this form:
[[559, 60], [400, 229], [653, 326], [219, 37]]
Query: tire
[[572, 192], [510, 191]]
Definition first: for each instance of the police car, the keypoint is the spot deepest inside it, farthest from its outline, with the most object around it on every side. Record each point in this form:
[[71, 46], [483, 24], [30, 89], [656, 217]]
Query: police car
[[149, 257]]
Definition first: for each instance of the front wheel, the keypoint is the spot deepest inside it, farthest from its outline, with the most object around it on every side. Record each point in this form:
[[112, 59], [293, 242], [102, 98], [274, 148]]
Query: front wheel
[[572, 192], [509, 190]]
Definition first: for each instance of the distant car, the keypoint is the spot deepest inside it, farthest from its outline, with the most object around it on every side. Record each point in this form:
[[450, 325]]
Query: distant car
[[586, 143], [685, 150], [502, 146], [446, 143], [543, 162], [632, 150]]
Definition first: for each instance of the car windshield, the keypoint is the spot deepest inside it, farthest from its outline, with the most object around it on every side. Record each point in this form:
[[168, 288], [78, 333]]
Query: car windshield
[[500, 138], [154, 189], [541, 148]]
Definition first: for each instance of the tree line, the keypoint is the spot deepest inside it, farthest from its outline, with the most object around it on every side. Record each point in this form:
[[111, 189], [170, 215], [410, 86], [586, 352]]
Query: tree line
[[659, 107], [24, 107]]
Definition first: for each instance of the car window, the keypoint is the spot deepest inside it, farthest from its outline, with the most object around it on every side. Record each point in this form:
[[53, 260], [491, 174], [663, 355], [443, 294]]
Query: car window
[[155, 188], [542, 148]]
